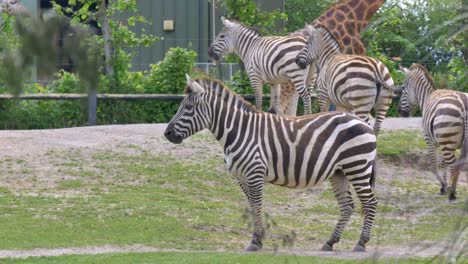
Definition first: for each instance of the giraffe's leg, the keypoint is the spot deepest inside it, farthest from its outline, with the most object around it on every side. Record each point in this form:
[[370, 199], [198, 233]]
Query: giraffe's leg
[[289, 99], [252, 186], [340, 185], [361, 184], [275, 100], [435, 165], [381, 106], [257, 85]]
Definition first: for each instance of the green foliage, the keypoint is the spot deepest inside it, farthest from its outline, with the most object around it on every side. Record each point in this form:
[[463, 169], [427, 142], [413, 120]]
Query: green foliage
[[169, 75], [240, 83], [300, 12], [249, 14]]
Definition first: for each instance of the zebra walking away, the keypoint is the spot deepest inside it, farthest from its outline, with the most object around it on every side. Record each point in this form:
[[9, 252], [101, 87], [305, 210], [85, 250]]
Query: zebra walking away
[[267, 60], [444, 121], [354, 83], [294, 152]]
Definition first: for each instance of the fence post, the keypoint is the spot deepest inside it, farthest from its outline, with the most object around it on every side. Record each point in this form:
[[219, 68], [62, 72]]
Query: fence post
[[92, 106], [220, 73]]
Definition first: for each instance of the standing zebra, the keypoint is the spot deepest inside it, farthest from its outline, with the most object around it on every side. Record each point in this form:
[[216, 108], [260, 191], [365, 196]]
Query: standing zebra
[[267, 60], [444, 121], [295, 152], [353, 83]]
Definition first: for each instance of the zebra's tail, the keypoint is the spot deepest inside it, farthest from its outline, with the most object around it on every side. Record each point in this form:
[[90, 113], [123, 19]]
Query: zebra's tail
[[463, 159], [372, 176]]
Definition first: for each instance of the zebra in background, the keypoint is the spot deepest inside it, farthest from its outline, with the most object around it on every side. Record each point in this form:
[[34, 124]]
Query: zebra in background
[[294, 152], [354, 83], [444, 121], [267, 60]]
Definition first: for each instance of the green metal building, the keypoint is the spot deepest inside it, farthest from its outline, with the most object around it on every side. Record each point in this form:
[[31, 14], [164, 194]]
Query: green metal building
[[181, 23], [195, 23]]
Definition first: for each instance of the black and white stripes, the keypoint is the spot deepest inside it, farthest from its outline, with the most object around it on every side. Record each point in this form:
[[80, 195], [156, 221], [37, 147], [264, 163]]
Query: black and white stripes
[[353, 83], [293, 152], [444, 120], [268, 60]]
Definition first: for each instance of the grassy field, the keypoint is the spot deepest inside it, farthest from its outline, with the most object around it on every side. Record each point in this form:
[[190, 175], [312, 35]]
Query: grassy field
[[182, 198]]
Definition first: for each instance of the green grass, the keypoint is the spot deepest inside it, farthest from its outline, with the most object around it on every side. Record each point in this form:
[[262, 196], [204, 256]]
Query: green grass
[[200, 257], [395, 143], [187, 201]]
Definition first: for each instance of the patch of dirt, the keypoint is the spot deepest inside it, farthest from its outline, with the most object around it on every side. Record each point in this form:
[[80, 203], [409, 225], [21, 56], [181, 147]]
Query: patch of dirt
[[421, 250]]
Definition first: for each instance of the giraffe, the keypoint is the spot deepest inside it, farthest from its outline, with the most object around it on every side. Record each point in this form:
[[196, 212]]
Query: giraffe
[[13, 7], [346, 21]]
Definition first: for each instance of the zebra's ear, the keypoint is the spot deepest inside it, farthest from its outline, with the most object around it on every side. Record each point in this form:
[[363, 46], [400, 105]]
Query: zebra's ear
[[311, 30], [194, 87], [227, 23], [403, 69]]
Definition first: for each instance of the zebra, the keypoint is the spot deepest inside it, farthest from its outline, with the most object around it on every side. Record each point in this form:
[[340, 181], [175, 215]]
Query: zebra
[[354, 83], [295, 152], [444, 122], [267, 60]]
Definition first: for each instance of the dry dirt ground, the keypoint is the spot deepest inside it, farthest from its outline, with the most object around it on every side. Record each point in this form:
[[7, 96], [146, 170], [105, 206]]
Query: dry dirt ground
[[32, 146]]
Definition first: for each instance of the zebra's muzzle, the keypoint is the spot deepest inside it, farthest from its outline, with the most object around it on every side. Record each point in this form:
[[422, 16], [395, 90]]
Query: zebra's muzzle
[[172, 135], [301, 63], [403, 113], [212, 54]]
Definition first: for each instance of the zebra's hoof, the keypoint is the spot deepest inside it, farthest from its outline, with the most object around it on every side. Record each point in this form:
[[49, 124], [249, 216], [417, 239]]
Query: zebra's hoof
[[327, 247], [253, 247], [359, 248], [452, 198], [443, 191]]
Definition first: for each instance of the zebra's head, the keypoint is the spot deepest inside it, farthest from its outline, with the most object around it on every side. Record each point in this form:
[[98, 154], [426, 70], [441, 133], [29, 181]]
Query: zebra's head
[[408, 101], [225, 42], [309, 54], [191, 117]]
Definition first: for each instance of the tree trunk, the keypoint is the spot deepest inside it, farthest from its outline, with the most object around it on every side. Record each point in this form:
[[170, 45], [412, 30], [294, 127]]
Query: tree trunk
[[107, 37]]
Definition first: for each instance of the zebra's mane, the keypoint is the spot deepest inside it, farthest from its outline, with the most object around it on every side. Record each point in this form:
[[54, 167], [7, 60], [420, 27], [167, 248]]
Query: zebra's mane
[[253, 29], [217, 87], [327, 33], [424, 70]]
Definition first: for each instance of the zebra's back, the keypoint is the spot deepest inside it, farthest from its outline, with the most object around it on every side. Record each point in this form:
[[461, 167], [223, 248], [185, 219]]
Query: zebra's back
[[352, 80], [273, 58], [306, 151], [444, 117]]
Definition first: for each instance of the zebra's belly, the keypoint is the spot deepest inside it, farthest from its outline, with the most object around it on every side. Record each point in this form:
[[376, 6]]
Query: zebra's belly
[[292, 179]]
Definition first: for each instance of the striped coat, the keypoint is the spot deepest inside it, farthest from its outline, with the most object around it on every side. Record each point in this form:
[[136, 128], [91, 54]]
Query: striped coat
[[354, 83], [268, 60], [444, 114], [294, 152]]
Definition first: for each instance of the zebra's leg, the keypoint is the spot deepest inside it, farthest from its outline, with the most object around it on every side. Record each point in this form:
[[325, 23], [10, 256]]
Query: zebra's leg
[[275, 100], [366, 195], [303, 92], [323, 100], [435, 166], [452, 185], [257, 85], [253, 189], [448, 154], [363, 114], [381, 106], [340, 185]]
